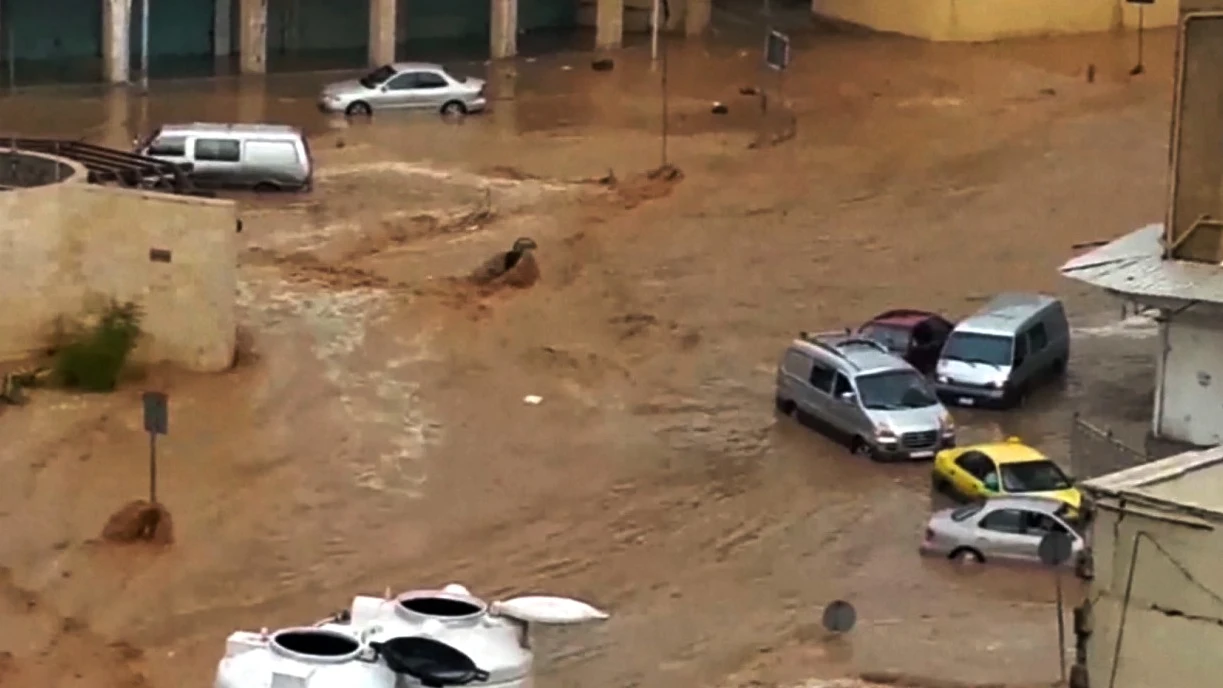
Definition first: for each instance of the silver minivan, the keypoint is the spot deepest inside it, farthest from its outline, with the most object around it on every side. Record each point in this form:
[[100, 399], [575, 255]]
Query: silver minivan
[[854, 389], [998, 355], [263, 157]]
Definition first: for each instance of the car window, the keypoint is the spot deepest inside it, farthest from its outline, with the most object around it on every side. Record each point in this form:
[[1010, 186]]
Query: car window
[[429, 80], [1036, 523], [841, 385], [377, 76], [821, 377], [1033, 476], [218, 150], [169, 147], [895, 390], [977, 465], [893, 337], [1038, 338], [967, 511], [1003, 521], [978, 348], [402, 82], [1021, 350]]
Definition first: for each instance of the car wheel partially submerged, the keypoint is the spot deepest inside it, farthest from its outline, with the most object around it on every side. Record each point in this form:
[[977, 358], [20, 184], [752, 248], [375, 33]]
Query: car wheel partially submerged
[[967, 555], [453, 108], [861, 447], [359, 109]]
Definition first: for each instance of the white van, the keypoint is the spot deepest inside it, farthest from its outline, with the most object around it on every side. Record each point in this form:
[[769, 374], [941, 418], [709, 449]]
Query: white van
[[263, 157]]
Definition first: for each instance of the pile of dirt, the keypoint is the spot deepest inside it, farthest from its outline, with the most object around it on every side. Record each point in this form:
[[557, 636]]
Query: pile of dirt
[[140, 521], [513, 269], [654, 184]]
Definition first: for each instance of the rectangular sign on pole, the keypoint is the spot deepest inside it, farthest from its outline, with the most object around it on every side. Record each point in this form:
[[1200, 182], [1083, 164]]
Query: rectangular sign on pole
[[156, 413], [777, 50]]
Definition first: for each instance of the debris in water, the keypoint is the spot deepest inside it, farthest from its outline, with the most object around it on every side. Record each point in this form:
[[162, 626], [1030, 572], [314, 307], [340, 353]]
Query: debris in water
[[532, 399]]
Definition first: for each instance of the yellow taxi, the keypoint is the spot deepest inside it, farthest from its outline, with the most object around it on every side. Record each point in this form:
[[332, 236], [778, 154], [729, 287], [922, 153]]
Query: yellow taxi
[[1001, 468]]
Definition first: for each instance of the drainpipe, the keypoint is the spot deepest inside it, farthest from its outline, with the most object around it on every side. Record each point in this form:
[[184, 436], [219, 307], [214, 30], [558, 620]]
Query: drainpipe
[[1161, 386]]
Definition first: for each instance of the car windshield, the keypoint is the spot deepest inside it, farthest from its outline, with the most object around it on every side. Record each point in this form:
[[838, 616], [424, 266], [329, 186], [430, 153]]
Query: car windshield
[[377, 76], [901, 389], [894, 337], [967, 511], [978, 348], [1033, 476]]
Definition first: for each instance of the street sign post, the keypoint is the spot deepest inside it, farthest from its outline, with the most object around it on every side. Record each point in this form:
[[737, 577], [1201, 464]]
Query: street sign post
[[777, 50], [1140, 68], [156, 422], [1054, 550]]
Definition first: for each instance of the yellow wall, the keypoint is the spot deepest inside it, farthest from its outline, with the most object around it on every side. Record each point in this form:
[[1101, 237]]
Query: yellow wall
[[65, 247], [985, 20]]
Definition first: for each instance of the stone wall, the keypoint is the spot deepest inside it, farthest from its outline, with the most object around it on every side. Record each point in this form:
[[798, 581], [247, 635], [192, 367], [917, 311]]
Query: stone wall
[[66, 248]]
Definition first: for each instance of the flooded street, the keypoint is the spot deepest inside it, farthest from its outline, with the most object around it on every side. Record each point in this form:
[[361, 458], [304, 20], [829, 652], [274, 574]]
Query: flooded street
[[374, 433]]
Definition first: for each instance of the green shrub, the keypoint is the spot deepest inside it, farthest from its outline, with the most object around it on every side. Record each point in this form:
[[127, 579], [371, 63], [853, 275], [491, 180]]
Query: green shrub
[[93, 359]]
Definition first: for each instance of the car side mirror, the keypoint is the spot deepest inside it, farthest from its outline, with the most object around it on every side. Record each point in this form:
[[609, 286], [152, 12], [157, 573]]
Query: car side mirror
[[848, 397], [384, 88]]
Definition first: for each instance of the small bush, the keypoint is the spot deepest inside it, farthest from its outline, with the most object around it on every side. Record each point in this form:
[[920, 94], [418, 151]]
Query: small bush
[[93, 359]]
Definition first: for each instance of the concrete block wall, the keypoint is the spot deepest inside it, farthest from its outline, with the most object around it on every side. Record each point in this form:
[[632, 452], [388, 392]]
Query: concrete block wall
[[67, 247]]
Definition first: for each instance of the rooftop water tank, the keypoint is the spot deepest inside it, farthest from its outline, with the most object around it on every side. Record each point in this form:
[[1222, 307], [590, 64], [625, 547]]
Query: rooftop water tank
[[431, 638]]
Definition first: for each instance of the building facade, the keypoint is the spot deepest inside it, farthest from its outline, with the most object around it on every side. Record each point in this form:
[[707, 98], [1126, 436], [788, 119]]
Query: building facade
[[954, 20], [1154, 615], [38, 32]]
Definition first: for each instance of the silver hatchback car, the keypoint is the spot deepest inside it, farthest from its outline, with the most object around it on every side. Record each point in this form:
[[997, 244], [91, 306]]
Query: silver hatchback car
[[1001, 529], [405, 86]]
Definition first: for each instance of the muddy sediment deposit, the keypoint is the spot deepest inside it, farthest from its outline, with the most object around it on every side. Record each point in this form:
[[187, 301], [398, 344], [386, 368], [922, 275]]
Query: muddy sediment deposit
[[140, 521]]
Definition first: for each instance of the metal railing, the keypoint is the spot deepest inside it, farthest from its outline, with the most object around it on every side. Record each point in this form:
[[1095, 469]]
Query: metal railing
[[1096, 451]]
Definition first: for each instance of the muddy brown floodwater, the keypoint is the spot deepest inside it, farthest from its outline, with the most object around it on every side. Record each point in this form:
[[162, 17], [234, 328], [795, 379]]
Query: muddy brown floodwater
[[375, 435]]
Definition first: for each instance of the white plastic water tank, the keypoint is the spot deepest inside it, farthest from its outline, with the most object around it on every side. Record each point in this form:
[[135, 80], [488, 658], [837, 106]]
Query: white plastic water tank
[[327, 656], [431, 638], [496, 637]]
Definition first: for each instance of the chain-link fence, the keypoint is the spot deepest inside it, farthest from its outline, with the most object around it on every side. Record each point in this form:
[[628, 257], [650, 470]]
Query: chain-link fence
[[1096, 451]]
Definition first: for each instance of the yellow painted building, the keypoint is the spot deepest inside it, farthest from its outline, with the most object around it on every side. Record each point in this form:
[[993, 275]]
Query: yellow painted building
[[988, 20]]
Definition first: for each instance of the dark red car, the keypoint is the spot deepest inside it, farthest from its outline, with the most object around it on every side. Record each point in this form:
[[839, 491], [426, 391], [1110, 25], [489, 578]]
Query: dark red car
[[915, 336]]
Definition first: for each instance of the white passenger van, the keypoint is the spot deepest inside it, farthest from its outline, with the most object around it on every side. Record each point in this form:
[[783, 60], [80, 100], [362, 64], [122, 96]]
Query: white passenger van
[[263, 157]]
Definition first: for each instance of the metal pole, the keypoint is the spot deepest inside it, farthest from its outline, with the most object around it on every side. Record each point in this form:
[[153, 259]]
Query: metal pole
[[1061, 627], [656, 14], [664, 101], [144, 46], [152, 468]]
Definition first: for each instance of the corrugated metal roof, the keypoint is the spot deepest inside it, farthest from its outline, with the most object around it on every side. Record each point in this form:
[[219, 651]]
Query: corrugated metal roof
[[1134, 266], [1150, 481]]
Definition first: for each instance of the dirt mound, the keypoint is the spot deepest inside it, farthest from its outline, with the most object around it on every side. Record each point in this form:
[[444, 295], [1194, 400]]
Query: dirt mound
[[140, 521], [654, 184], [514, 269]]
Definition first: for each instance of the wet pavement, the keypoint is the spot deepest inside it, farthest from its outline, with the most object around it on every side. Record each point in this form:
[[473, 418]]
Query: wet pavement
[[374, 434]]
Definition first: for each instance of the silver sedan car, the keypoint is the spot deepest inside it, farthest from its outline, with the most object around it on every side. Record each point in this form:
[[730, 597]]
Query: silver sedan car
[[404, 86], [1002, 529]]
